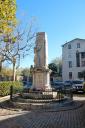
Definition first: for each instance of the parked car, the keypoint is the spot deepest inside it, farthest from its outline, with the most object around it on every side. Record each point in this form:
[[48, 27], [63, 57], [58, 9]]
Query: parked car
[[27, 85], [78, 86], [52, 83], [68, 84], [58, 85]]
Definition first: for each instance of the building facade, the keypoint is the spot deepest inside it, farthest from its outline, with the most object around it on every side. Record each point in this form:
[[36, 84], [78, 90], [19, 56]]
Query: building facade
[[73, 59]]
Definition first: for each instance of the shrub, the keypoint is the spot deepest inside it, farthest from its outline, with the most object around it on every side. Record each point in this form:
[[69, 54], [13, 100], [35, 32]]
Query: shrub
[[5, 87]]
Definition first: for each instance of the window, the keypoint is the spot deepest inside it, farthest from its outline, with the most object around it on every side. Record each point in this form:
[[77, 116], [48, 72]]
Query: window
[[77, 60], [83, 55], [80, 75], [83, 63], [70, 75], [70, 64], [78, 45], [69, 46]]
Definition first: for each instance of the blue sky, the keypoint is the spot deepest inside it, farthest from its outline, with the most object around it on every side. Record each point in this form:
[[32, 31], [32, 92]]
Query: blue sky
[[62, 20]]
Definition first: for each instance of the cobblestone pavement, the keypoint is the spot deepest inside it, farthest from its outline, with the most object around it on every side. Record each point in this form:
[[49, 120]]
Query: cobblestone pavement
[[74, 118]]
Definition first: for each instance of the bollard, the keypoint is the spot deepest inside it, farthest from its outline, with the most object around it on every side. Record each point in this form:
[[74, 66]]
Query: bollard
[[11, 92]]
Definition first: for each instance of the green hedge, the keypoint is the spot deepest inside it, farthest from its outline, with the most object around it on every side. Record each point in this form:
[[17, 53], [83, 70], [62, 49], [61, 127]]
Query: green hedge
[[5, 87]]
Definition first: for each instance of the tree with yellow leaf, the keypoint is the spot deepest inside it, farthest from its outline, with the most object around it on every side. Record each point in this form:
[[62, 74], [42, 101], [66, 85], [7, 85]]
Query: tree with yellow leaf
[[7, 24], [7, 16], [14, 43]]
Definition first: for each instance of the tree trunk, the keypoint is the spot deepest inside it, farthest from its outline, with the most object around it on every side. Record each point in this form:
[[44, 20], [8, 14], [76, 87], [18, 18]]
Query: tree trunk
[[14, 71], [0, 70]]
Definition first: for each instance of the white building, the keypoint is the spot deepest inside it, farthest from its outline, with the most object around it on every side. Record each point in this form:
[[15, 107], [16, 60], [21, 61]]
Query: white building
[[73, 59]]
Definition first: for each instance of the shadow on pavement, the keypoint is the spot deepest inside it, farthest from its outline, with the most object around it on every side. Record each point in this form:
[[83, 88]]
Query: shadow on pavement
[[41, 119]]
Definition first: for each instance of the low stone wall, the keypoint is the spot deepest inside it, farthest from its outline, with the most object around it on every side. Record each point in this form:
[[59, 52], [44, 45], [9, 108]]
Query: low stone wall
[[5, 98], [43, 95], [40, 95], [30, 104]]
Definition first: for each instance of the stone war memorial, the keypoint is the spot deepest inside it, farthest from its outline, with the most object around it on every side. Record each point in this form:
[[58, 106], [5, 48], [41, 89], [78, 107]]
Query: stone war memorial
[[41, 72], [40, 95]]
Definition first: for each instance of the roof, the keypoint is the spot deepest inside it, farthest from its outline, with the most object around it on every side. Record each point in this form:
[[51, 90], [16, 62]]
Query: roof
[[72, 41]]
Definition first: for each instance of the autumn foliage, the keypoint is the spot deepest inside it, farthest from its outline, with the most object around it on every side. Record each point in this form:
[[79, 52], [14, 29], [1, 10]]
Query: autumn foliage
[[7, 16]]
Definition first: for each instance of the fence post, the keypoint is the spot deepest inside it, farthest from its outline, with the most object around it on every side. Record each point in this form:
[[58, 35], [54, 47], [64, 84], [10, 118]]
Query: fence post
[[59, 96], [11, 92], [71, 94]]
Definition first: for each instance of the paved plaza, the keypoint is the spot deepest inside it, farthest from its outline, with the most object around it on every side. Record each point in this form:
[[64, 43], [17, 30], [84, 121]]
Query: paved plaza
[[64, 118]]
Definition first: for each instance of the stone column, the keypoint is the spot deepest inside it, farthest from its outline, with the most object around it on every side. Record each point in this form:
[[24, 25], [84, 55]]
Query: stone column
[[40, 71]]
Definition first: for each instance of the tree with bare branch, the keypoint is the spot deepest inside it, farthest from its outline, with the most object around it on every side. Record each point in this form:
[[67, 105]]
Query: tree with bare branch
[[17, 45], [7, 22]]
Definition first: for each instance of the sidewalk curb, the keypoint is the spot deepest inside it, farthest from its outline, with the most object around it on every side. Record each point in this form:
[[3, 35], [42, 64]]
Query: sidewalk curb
[[63, 108], [5, 98]]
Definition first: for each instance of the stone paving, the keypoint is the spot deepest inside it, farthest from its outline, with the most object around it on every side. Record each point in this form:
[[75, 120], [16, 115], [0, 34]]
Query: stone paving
[[73, 118]]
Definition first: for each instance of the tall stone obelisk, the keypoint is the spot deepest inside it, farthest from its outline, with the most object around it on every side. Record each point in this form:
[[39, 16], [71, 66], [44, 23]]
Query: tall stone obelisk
[[41, 71]]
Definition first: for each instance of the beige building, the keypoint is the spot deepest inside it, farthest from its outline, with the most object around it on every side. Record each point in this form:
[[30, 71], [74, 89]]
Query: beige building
[[73, 59]]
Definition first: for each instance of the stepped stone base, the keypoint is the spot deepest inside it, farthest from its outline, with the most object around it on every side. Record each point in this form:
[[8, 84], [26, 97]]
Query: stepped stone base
[[40, 95]]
